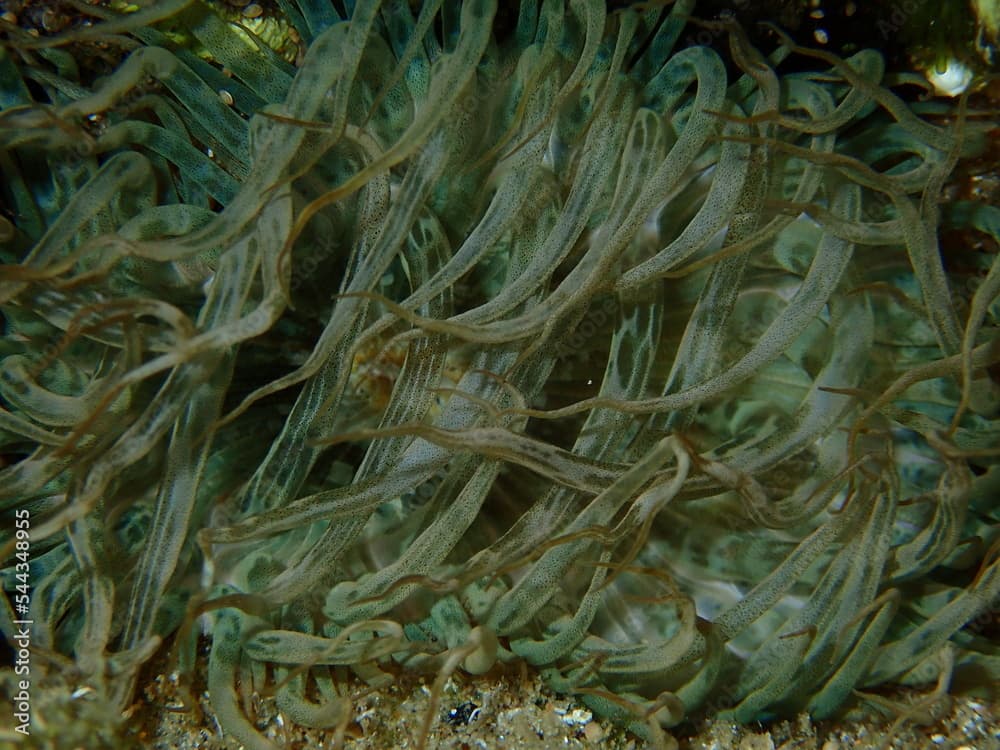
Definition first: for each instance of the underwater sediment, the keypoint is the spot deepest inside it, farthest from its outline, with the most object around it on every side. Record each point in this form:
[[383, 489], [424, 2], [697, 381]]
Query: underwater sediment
[[478, 334]]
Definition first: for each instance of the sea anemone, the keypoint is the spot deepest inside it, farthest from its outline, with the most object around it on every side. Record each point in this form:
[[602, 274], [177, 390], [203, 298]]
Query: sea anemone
[[479, 337]]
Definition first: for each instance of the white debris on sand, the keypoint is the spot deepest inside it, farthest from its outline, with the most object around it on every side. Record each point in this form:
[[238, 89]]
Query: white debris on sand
[[517, 711]]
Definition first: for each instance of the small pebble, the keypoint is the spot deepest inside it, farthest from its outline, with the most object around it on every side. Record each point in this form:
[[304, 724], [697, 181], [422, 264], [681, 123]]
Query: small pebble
[[578, 716], [593, 732], [757, 742]]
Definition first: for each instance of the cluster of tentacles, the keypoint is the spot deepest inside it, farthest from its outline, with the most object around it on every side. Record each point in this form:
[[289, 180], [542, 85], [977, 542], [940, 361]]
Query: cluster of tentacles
[[473, 339]]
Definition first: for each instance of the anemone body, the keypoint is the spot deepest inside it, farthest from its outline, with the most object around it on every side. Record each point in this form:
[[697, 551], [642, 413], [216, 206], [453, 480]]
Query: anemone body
[[483, 336]]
